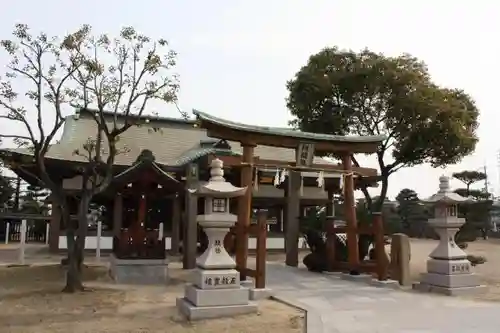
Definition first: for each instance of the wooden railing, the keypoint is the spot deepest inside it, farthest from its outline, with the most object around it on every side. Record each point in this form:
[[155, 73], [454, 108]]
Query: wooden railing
[[259, 231], [138, 244], [35, 232], [379, 266]]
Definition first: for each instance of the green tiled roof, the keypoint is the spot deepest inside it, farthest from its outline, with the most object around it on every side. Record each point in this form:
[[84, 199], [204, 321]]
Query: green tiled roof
[[286, 132], [196, 153], [175, 144]]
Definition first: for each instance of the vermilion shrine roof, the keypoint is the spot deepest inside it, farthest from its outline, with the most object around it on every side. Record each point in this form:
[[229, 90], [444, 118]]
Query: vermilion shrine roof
[[146, 163], [273, 136]]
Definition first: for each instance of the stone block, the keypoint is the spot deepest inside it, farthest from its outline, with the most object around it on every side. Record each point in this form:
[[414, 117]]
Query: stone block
[[393, 284], [260, 293], [139, 271], [449, 267], [450, 281], [400, 259], [192, 312], [215, 297], [462, 291], [247, 283], [360, 277], [216, 279]]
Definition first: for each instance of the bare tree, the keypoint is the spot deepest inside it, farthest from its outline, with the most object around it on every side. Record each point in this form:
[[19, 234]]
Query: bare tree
[[34, 90], [115, 79], [119, 78]]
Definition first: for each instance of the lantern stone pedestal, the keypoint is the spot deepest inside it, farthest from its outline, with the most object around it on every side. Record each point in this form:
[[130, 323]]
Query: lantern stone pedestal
[[448, 270], [215, 290], [139, 271]]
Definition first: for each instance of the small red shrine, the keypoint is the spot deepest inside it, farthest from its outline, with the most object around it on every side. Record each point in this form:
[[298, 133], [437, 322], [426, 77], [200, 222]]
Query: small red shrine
[[142, 233]]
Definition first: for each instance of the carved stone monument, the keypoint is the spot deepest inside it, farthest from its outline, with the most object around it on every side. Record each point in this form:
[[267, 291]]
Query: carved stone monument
[[448, 270], [215, 290]]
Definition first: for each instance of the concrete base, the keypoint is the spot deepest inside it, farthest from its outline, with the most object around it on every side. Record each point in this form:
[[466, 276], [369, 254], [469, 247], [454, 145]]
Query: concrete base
[[461, 291], [449, 277], [449, 267], [247, 283], [393, 284], [139, 271], [360, 277], [450, 280], [216, 279], [260, 293], [192, 312], [216, 297]]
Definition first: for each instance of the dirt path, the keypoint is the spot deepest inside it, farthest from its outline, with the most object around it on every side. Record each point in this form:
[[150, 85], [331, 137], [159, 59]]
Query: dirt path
[[31, 302]]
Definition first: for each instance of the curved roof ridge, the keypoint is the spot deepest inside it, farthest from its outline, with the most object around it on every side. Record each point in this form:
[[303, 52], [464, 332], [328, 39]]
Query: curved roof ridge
[[134, 116], [285, 132]]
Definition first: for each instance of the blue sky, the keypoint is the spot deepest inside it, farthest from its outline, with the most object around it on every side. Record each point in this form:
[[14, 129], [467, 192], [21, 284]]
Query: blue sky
[[236, 56]]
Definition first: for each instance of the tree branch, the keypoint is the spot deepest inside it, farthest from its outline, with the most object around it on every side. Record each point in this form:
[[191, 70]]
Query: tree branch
[[13, 136], [362, 186]]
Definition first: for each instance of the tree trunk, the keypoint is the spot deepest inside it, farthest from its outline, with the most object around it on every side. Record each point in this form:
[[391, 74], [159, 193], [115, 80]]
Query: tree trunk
[[76, 248], [73, 277], [377, 206]]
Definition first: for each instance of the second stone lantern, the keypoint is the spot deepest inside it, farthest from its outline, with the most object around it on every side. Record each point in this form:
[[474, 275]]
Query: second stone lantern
[[448, 270], [215, 290]]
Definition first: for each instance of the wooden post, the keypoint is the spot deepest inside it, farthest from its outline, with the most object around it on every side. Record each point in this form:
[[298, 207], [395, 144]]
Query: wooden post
[[244, 210], [260, 266], [280, 219], [380, 255], [330, 208], [141, 214], [176, 223], [229, 242], [330, 243], [98, 243], [117, 214], [350, 214], [55, 227], [161, 235], [190, 239], [7, 232], [292, 219], [47, 231], [22, 242]]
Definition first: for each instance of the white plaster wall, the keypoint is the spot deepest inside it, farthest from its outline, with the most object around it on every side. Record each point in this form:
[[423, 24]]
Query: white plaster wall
[[107, 243]]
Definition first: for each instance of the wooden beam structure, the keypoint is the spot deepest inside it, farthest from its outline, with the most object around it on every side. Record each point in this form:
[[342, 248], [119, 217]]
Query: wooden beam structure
[[306, 145], [273, 140], [292, 220], [176, 224], [244, 209], [189, 243], [350, 213], [236, 161]]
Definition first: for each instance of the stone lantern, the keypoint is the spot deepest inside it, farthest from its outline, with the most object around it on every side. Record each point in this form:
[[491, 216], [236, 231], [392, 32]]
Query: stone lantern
[[448, 270], [215, 290]]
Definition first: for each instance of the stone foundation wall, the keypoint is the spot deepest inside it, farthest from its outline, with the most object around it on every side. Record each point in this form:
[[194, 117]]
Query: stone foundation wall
[[139, 271]]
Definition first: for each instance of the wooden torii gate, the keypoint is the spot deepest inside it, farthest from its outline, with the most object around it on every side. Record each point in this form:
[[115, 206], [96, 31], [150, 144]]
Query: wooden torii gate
[[306, 145]]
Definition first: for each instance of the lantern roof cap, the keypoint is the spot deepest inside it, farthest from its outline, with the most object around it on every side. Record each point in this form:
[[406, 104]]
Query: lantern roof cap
[[217, 186], [445, 195]]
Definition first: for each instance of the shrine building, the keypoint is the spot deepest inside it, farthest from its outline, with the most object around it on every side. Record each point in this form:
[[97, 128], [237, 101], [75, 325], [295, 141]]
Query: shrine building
[[162, 157]]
